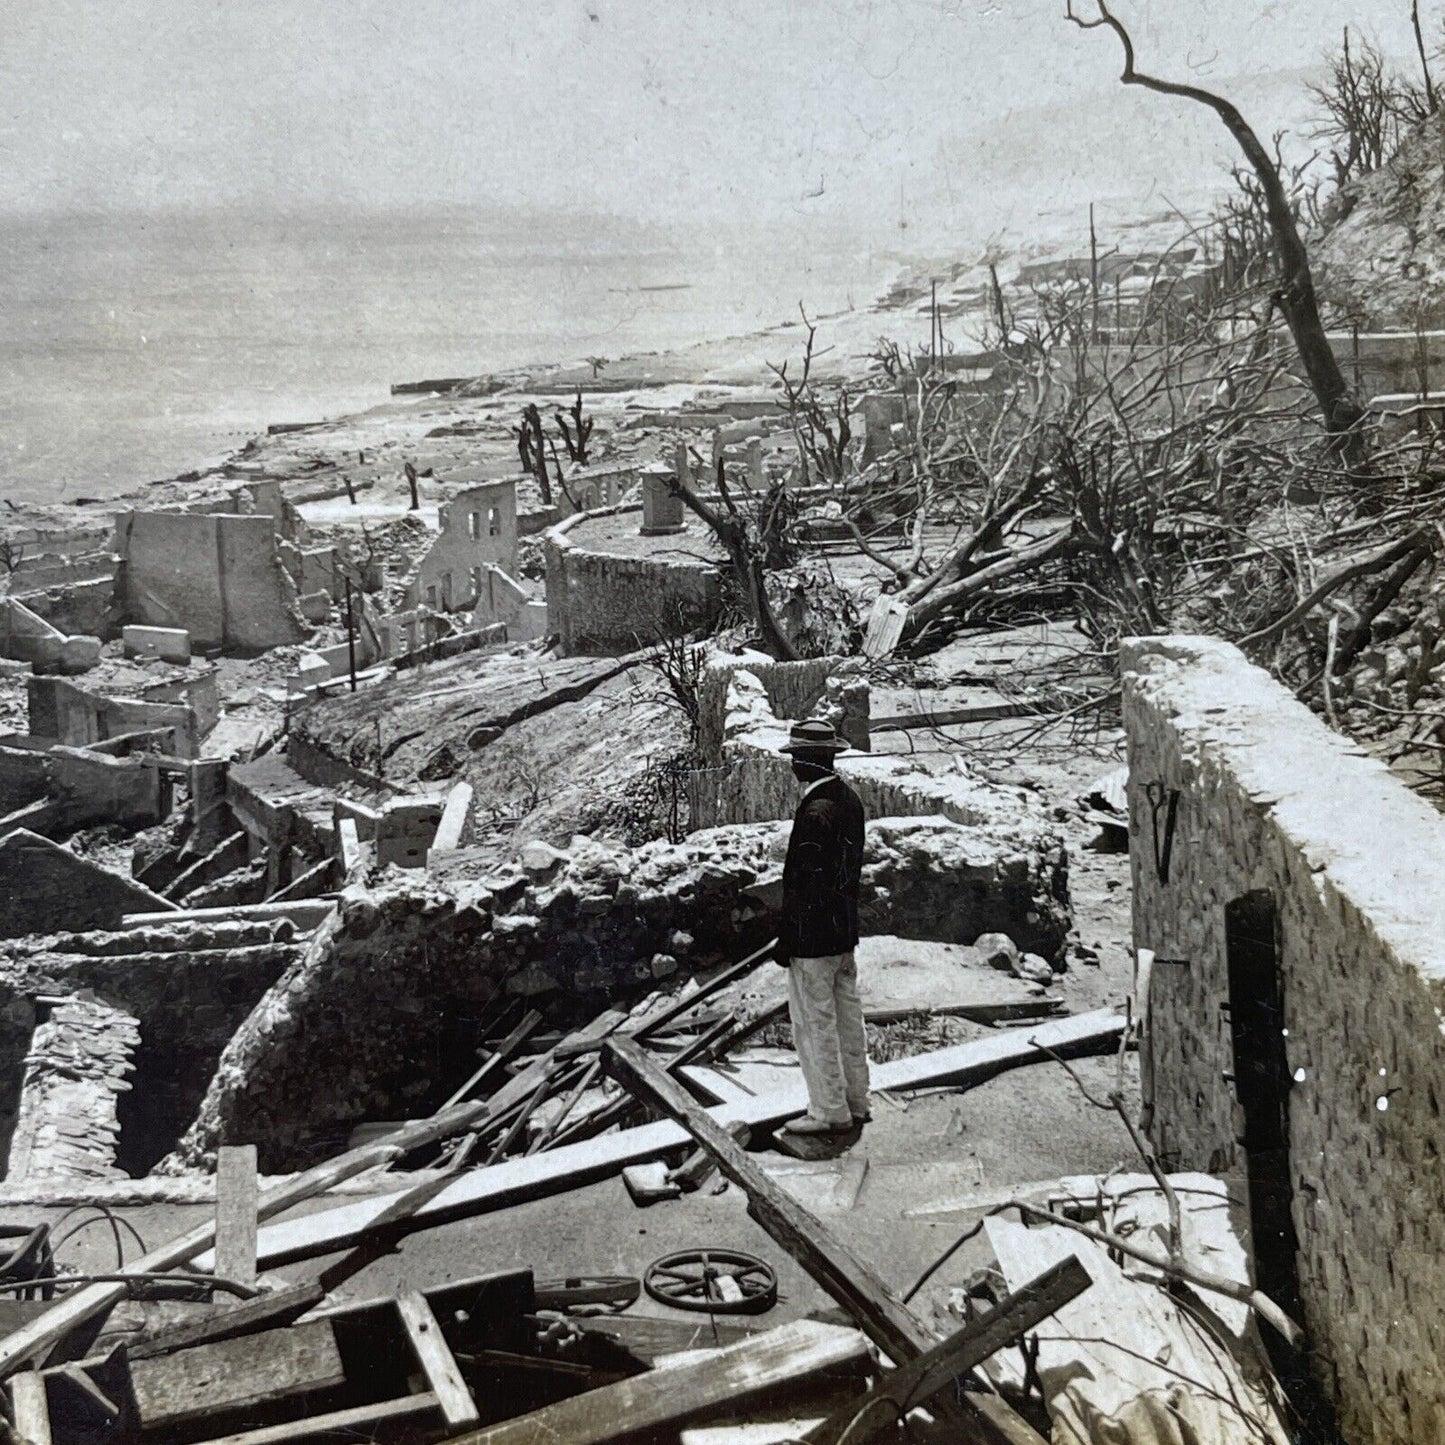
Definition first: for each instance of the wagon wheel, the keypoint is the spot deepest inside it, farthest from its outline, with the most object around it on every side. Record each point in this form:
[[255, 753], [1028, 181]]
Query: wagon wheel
[[693, 1279]]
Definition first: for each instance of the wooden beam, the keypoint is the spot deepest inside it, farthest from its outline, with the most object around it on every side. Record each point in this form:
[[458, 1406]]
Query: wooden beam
[[336, 1422], [963, 1351], [519, 1181], [849, 1279], [714, 985], [267, 1312], [237, 1374], [236, 1196], [499, 1056], [31, 1408], [435, 1357], [659, 1397]]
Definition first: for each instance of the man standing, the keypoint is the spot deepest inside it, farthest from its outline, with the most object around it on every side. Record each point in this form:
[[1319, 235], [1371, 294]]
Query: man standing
[[818, 932]]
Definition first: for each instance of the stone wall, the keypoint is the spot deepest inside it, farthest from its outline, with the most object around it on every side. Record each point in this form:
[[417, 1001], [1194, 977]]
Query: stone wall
[[217, 575], [1271, 802], [607, 605], [358, 1027], [47, 887], [749, 780], [792, 689], [86, 608], [188, 985], [79, 717]]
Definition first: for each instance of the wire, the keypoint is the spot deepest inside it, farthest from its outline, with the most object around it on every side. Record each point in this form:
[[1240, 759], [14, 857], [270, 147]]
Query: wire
[[117, 1223], [207, 1281]]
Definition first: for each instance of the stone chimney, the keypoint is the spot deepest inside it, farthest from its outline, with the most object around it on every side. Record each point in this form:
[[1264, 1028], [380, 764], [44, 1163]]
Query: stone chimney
[[662, 512]]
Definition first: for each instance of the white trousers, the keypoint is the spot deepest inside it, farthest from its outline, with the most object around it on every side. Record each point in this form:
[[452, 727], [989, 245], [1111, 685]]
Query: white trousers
[[827, 1020]]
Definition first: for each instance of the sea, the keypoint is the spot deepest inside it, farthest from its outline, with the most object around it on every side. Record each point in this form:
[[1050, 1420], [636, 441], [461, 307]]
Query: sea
[[135, 347]]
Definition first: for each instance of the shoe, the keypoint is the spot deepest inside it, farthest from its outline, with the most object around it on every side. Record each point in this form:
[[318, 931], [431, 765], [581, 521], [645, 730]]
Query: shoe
[[866, 1117], [806, 1124]]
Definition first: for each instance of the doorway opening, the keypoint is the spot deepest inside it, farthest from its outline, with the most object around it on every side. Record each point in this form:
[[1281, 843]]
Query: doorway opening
[[1261, 1086]]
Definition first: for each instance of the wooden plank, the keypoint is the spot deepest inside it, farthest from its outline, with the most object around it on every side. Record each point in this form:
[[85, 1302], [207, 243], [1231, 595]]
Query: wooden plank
[[236, 1195], [648, 1338], [336, 1422], [849, 1279], [659, 1397], [500, 1055], [518, 1181], [963, 1351], [236, 1374], [268, 1312], [435, 1357], [31, 1408]]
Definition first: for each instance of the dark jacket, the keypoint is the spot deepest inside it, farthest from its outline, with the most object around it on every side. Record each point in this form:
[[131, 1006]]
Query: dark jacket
[[820, 876]]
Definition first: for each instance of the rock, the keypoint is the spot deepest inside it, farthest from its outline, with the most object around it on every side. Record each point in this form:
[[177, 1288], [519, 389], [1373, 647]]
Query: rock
[[1034, 969], [998, 951], [681, 942], [540, 859], [663, 965]]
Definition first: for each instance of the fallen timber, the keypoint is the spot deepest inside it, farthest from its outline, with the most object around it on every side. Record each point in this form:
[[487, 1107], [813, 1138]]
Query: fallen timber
[[731, 1375], [538, 1176], [516, 1181], [849, 1279]]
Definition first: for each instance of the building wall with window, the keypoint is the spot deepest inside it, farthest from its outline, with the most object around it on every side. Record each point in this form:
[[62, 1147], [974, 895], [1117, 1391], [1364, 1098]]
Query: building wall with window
[[1290, 913], [478, 530]]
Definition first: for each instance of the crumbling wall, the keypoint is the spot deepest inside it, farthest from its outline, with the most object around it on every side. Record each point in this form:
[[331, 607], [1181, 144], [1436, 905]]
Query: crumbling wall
[[189, 986], [352, 1031], [217, 575], [79, 717], [598, 603], [47, 887], [749, 780], [83, 607], [792, 689], [1269, 799]]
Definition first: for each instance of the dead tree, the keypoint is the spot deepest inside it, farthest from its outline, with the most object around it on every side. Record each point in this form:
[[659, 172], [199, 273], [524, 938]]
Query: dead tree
[[576, 436], [745, 553], [532, 450], [1366, 110], [411, 482], [820, 425], [1431, 103], [1295, 292]]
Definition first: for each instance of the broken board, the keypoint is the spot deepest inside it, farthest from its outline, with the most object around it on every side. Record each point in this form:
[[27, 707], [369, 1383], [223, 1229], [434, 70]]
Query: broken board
[[236, 1374]]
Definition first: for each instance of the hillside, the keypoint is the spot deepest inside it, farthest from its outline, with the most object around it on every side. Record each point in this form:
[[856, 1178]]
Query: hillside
[[1384, 263]]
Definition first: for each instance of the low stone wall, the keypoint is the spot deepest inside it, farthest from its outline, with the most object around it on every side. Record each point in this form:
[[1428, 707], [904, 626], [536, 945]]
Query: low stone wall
[[607, 605], [85, 608], [747, 779], [47, 886], [358, 1026], [1239, 796]]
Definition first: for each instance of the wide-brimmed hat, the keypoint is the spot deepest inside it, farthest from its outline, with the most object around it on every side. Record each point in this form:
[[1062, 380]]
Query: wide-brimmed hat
[[813, 736]]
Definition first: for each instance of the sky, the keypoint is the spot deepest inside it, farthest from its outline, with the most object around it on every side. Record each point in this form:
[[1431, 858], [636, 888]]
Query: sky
[[859, 111]]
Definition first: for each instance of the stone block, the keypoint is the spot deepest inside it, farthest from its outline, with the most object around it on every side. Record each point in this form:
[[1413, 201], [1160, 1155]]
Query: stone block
[[406, 830], [79, 654], [169, 644]]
